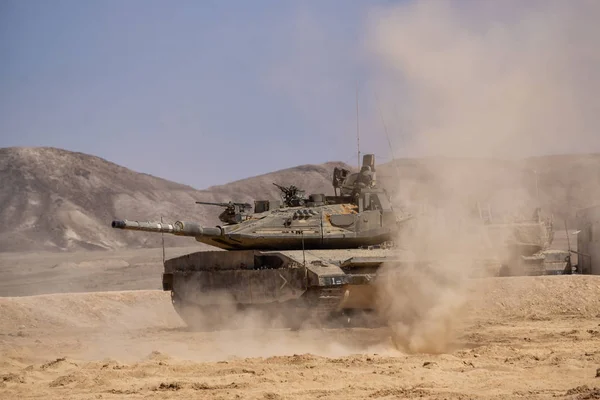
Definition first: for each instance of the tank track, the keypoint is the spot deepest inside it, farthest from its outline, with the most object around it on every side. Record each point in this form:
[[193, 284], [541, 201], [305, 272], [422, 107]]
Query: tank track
[[319, 307], [324, 302], [325, 311]]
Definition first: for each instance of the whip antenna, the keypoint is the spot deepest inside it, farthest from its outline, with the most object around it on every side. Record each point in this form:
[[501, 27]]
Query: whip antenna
[[568, 240], [357, 129], [162, 234]]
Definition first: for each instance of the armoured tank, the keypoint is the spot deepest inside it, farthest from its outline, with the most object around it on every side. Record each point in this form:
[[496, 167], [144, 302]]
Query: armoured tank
[[520, 243], [300, 258]]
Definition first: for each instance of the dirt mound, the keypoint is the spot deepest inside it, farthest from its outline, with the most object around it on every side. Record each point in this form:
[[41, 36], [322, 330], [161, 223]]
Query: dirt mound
[[536, 297], [133, 309]]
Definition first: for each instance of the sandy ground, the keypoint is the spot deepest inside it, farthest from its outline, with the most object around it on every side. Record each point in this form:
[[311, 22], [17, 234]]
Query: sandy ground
[[94, 325], [526, 337], [33, 273]]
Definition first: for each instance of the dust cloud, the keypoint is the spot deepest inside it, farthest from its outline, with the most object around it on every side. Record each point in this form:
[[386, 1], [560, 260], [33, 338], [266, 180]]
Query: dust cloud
[[221, 333], [264, 331], [489, 79], [424, 301], [486, 80], [225, 332]]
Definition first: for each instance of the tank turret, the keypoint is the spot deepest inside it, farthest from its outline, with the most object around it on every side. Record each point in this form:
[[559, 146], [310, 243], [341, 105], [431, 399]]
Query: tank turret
[[361, 215]]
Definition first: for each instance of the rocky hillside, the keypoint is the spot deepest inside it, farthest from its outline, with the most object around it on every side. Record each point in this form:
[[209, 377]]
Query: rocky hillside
[[52, 199]]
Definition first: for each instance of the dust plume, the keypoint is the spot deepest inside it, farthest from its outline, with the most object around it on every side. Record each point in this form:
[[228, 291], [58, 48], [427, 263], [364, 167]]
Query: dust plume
[[264, 331], [220, 330], [490, 80], [423, 301]]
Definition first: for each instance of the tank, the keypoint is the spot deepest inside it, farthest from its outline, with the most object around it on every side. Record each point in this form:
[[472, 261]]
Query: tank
[[521, 243], [299, 258]]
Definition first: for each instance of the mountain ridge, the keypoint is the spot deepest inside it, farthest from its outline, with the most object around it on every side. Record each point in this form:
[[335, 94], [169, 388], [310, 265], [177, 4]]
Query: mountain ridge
[[55, 199], [59, 200]]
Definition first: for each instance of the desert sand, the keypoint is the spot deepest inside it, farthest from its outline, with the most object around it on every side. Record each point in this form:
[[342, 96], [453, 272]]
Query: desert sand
[[518, 337]]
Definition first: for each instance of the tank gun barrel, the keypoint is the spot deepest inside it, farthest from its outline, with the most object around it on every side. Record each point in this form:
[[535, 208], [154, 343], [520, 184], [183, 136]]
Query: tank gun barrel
[[179, 228], [209, 203]]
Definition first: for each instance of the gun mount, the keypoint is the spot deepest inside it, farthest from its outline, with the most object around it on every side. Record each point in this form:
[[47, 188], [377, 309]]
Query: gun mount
[[291, 195], [234, 212]]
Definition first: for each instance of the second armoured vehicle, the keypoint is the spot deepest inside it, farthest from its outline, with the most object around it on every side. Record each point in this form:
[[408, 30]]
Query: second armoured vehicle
[[313, 256], [520, 244]]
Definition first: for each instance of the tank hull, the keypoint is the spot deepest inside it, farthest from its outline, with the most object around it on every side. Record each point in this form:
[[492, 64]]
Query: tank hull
[[293, 283], [291, 288]]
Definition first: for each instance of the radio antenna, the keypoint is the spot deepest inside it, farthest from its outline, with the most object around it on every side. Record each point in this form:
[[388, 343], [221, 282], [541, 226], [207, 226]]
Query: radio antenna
[[357, 129], [162, 234]]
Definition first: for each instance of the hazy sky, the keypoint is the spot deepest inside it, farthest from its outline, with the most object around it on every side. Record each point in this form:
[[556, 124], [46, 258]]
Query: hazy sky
[[206, 92], [201, 92]]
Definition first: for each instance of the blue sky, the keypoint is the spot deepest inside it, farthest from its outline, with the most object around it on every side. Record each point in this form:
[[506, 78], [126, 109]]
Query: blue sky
[[206, 92], [200, 92]]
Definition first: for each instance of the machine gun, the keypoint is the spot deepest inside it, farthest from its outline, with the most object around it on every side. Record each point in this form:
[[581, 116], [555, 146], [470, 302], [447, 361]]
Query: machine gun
[[234, 212], [339, 177], [291, 195]]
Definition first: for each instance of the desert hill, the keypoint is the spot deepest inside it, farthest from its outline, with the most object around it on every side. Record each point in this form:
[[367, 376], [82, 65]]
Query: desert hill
[[53, 199], [312, 178]]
